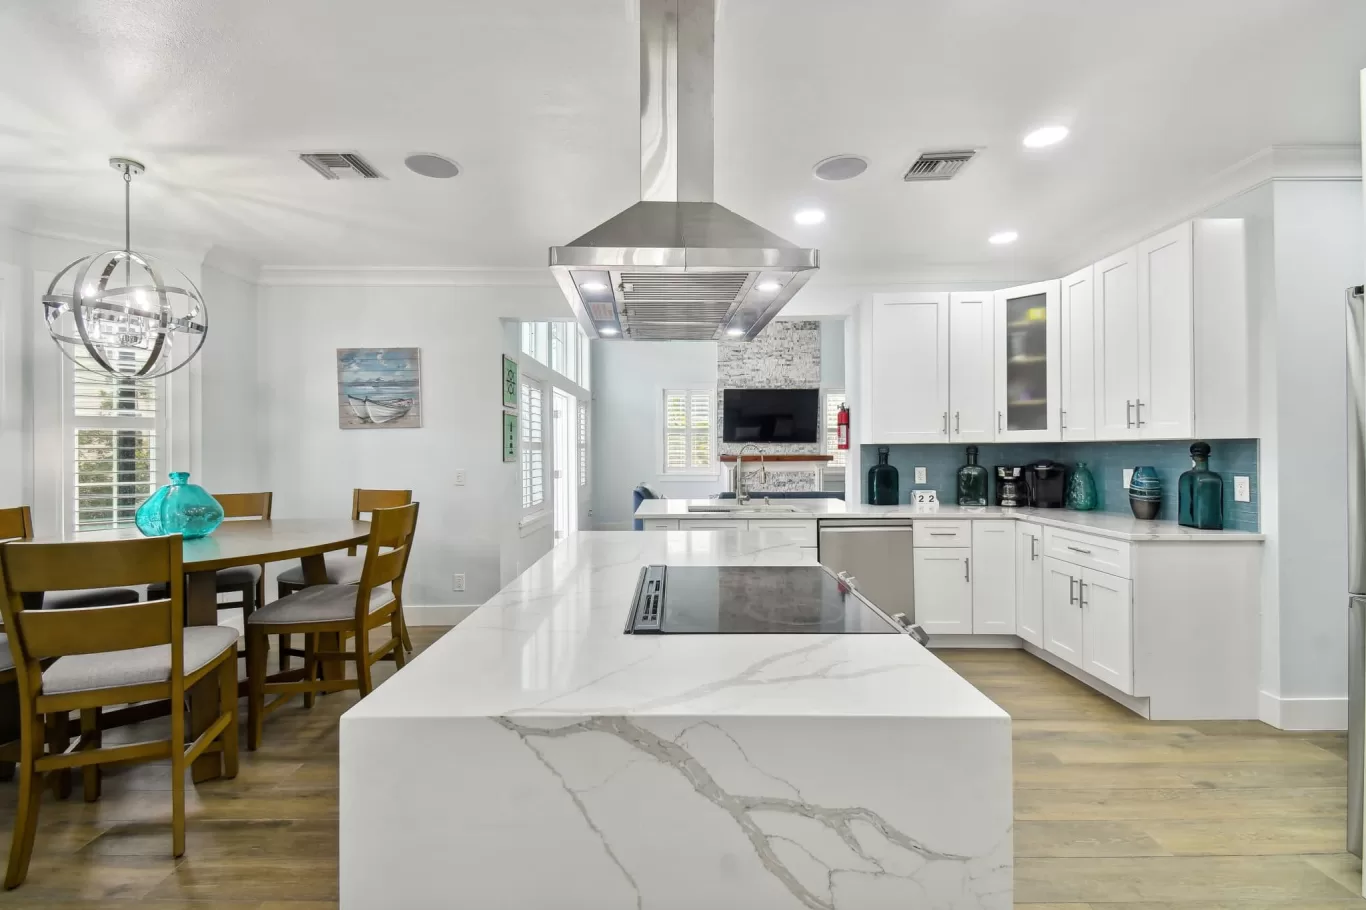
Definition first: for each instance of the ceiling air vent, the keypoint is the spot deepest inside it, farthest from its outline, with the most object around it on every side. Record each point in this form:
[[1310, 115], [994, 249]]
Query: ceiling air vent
[[939, 165], [340, 165]]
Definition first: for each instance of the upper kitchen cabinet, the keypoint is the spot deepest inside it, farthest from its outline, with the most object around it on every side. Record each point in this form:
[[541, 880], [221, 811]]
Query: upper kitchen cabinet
[[907, 376], [1028, 373], [971, 365], [1172, 354], [1078, 416]]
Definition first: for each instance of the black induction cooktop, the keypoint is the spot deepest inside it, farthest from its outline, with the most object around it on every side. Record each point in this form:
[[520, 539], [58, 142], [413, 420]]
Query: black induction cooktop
[[749, 600]]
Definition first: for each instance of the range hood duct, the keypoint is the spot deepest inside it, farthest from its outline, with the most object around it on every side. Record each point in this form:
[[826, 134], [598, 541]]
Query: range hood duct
[[677, 266]]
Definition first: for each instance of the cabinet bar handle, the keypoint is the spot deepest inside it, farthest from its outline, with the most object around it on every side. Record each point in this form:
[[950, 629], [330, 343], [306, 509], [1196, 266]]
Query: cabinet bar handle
[[1081, 590], [1000, 418], [1138, 412], [958, 421], [1128, 414], [1079, 549], [1033, 551], [967, 575], [946, 423], [1063, 420], [943, 533], [1071, 594]]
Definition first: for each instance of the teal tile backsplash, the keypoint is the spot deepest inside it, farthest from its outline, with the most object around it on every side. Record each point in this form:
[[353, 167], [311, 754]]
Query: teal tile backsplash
[[1106, 460]]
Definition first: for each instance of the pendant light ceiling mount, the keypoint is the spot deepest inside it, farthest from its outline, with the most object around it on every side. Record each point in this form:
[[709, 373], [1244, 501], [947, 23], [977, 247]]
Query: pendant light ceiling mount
[[149, 324]]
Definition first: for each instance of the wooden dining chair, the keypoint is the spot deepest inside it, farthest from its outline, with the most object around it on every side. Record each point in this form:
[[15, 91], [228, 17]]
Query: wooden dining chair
[[247, 582], [343, 570], [17, 524], [335, 610], [104, 656]]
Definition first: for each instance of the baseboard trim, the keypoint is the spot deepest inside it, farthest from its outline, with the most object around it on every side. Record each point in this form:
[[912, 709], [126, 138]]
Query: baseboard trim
[[437, 614], [1139, 706], [954, 642], [1305, 714]]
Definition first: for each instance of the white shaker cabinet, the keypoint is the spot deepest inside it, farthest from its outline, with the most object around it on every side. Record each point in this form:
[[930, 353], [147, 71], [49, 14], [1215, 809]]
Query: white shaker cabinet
[[1062, 617], [1028, 373], [993, 588], [1029, 583], [1115, 351], [908, 378], [1107, 628], [1166, 335], [1078, 416], [971, 356], [943, 590]]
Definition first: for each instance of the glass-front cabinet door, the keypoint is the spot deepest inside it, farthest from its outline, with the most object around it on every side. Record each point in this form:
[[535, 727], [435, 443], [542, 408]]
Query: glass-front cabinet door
[[1028, 363]]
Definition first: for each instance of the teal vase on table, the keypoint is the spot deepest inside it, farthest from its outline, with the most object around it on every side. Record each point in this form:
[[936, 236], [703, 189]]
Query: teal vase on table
[[181, 508]]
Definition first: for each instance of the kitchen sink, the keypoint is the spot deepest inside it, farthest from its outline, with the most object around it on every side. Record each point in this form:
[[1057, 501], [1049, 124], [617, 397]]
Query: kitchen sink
[[742, 508]]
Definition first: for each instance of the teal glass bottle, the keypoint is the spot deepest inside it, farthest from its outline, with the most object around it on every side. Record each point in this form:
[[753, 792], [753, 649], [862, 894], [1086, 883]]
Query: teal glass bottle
[[1081, 489], [181, 508], [972, 481], [884, 481], [1200, 493]]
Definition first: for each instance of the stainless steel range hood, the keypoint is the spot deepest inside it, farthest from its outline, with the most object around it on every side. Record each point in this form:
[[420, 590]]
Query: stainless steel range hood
[[677, 266]]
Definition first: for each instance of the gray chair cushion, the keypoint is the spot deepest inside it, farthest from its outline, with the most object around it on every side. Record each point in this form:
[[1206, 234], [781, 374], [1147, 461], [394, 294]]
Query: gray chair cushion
[[341, 570], [6, 659], [89, 597], [320, 603], [82, 672], [234, 577]]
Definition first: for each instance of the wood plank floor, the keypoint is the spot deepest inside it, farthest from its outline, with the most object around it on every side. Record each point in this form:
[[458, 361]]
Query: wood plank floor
[[1112, 813]]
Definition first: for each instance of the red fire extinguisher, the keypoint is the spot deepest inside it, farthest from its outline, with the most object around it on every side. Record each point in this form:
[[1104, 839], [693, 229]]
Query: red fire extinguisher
[[842, 421]]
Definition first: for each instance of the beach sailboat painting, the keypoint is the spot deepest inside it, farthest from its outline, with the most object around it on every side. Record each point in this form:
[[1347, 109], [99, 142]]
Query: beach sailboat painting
[[379, 388]]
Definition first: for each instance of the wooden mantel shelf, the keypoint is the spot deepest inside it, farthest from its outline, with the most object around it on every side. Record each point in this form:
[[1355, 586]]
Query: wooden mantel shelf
[[730, 459]]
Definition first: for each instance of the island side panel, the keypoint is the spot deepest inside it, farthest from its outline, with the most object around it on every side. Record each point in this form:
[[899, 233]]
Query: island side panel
[[675, 813]]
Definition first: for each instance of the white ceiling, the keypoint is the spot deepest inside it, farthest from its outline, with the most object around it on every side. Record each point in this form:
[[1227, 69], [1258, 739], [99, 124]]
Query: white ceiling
[[537, 100]]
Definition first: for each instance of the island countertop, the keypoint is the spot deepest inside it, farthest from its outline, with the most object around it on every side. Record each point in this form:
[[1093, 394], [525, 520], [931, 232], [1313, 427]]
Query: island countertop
[[1102, 524], [551, 644]]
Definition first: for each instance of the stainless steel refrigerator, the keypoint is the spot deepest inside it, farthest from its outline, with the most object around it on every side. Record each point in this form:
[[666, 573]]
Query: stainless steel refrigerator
[[1356, 561]]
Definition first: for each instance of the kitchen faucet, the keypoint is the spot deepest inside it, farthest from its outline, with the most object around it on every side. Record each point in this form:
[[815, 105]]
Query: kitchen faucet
[[741, 494]]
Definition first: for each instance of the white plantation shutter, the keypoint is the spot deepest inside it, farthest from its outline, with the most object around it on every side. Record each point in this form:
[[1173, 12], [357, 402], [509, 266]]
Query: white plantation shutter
[[583, 443], [533, 445], [833, 401], [689, 435], [113, 432]]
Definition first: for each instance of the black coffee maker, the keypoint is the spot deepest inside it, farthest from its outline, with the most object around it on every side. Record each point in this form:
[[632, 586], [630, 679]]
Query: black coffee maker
[[1045, 484]]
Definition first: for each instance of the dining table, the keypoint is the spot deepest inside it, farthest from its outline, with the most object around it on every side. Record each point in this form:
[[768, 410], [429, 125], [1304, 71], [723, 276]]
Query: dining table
[[245, 542]]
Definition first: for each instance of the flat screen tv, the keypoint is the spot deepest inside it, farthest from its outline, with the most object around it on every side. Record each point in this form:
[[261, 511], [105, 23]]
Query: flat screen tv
[[770, 415]]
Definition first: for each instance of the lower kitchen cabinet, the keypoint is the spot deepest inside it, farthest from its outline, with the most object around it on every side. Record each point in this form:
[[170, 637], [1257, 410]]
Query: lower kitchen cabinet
[[1062, 632], [993, 584], [943, 590], [1029, 583]]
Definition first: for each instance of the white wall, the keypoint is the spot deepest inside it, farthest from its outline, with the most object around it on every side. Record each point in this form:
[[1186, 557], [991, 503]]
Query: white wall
[[629, 379], [230, 408], [832, 353], [312, 465]]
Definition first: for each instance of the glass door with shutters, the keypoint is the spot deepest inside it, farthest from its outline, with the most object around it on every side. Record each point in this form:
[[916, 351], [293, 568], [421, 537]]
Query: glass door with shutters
[[1028, 392]]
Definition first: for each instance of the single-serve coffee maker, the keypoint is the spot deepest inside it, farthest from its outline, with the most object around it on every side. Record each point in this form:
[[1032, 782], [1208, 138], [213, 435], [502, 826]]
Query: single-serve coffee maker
[[1045, 484]]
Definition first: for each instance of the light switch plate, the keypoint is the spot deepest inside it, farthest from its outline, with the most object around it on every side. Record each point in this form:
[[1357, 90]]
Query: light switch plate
[[459, 478], [458, 581], [920, 475], [1242, 489], [1128, 476]]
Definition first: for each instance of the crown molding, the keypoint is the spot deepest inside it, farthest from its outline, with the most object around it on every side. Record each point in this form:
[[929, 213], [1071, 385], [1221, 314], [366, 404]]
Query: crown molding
[[403, 276]]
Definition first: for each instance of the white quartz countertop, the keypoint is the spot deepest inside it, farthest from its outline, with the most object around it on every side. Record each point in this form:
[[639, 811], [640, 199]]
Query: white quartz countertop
[[551, 643], [1103, 524]]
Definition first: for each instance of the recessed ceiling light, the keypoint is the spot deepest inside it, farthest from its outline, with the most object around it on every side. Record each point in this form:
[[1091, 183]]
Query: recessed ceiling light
[[1003, 237], [1045, 136], [840, 167], [429, 165], [607, 330], [809, 216], [593, 286], [768, 287], [735, 332]]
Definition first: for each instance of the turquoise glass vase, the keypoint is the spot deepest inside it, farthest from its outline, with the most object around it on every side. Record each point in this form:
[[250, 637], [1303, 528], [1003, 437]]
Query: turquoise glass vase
[[1081, 489], [1200, 493], [181, 508], [1145, 493]]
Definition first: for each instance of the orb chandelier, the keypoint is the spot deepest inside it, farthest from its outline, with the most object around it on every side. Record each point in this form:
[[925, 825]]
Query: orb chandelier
[[121, 313]]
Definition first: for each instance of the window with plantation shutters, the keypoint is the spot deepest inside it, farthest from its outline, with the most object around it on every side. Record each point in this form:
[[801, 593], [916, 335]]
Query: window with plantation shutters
[[689, 432], [583, 443], [532, 419], [834, 400], [112, 426]]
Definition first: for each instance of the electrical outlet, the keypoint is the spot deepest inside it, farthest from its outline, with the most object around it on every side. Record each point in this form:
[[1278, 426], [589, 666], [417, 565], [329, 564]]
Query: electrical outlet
[[458, 581], [1128, 476], [459, 478], [1242, 489], [920, 475]]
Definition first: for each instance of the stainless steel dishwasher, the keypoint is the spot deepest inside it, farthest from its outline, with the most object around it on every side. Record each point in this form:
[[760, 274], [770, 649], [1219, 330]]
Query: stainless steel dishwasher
[[877, 554]]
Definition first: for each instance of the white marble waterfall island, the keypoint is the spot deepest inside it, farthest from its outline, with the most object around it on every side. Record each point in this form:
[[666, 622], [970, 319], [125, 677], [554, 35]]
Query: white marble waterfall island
[[538, 758]]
